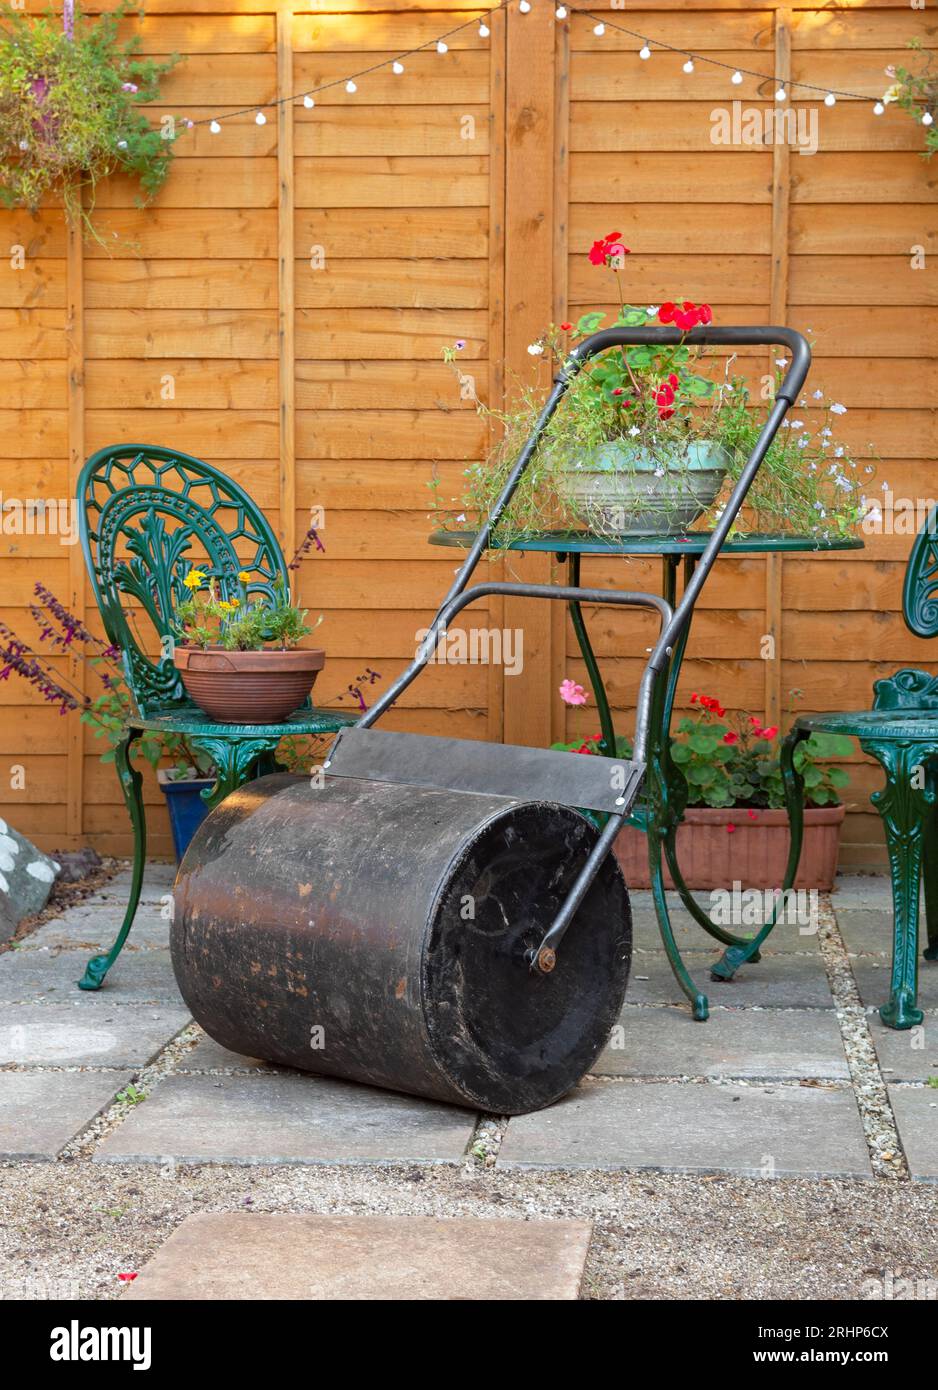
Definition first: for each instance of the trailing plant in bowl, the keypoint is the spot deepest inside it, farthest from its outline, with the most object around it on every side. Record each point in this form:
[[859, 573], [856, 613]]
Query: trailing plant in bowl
[[916, 93], [70, 114], [238, 656], [650, 438]]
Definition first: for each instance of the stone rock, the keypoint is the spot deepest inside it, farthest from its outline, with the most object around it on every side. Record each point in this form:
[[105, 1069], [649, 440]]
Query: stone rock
[[76, 864], [26, 875]]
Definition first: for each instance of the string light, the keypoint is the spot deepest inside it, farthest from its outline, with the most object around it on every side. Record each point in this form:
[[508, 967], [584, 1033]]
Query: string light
[[927, 118], [561, 12]]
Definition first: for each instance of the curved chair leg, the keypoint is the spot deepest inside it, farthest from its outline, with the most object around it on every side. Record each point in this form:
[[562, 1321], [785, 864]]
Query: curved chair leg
[[132, 786], [905, 811], [741, 952], [699, 1001], [930, 875]]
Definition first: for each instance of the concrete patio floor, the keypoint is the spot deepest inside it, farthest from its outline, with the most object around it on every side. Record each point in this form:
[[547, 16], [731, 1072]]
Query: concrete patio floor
[[787, 1148]]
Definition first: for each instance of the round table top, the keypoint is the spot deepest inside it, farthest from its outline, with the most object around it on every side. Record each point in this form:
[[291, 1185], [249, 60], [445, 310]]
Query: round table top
[[583, 543]]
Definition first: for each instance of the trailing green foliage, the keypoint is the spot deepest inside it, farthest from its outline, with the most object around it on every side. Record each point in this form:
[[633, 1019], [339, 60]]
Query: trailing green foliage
[[70, 112]]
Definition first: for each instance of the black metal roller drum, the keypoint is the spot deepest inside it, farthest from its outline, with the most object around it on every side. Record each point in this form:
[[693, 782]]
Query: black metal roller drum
[[378, 933]]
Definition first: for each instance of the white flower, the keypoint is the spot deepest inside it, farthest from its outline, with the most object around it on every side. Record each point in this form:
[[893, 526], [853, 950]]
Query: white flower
[[797, 424], [653, 308], [461, 517], [892, 93], [781, 362], [827, 430], [803, 442], [819, 395], [838, 409], [845, 483], [659, 472], [535, 349], [885, 487], [634, 431], [839, 452]]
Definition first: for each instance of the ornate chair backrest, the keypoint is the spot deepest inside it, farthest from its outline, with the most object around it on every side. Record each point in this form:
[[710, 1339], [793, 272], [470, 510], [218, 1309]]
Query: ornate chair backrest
[[920, 591], [148, 516]]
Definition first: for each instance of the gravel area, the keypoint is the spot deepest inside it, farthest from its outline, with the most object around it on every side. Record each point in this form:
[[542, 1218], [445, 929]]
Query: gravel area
[[69, 1229]]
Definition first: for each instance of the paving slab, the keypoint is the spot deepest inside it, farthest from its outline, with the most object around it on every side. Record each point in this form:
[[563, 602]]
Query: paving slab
[[681, 1127], [93, 928], [74, 1035], [247, 1255], [862, 890], [873, 973], [285, 1119], [137, 977], [41, 1111], [208, 1055], [783, 981], [909, 1055], [690, 936], [916, 1112], [867, 930], [754, 1044]]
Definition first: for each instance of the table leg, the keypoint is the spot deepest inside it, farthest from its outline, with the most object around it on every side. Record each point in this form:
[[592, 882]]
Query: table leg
[[606, 728]]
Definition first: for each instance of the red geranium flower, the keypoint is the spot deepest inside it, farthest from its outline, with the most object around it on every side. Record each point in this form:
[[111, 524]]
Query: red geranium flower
[[730, 737], [603, 251], [666, 313], [730, 828], [565, 327], [770, 732]]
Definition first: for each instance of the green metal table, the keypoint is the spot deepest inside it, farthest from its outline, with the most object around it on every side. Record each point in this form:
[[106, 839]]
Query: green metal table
[[661, 810]]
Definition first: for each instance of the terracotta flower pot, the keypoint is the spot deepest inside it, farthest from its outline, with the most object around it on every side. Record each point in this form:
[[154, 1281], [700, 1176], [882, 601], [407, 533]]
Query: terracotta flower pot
[[248, 687], [753, 853]]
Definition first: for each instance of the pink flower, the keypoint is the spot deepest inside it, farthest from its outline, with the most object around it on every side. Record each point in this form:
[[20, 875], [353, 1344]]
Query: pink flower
[[770, 732], [730, 828], [572, 694], [730, 737]]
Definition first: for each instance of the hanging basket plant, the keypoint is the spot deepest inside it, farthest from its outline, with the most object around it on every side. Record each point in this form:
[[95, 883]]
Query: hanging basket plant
[[70, 100]]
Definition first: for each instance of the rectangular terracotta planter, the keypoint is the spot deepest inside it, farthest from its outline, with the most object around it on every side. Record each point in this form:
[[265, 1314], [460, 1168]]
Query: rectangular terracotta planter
[[753, 852]]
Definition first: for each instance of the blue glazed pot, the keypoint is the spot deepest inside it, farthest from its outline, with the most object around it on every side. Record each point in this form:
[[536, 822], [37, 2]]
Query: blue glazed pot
[[186, 808]]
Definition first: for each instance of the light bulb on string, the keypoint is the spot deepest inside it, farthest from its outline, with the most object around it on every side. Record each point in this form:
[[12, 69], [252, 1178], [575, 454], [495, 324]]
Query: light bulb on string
[[737, 78], [878, 109], [689, 65], [560, 12], [830, 99], [442, 47], [397, 67], [524, 6], [927, 118], [781, 94], [215, 128], [350, 86], [260, 118], [484, 30], [644, 52], [599, 29], [309, 102]]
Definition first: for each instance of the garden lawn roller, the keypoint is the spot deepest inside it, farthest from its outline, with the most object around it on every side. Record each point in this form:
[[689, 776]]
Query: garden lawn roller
[[434, 915]]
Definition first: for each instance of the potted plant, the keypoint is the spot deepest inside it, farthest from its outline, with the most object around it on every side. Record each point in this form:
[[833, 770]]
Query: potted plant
[[649, 439], [735, 828], [70, 114], [238, 656]]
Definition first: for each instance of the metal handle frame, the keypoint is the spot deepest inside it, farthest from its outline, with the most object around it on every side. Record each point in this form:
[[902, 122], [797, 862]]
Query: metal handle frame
[[673, 620]]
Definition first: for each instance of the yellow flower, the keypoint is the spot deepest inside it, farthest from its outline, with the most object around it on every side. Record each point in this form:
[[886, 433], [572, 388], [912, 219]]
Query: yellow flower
[[234, 603], [194, 579], [244, 576], [225, 606]]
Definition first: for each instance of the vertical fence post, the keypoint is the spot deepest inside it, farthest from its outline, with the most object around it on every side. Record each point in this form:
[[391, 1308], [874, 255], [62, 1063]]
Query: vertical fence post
[[75, 369], [778, 313], [286, 269], [529, 253]]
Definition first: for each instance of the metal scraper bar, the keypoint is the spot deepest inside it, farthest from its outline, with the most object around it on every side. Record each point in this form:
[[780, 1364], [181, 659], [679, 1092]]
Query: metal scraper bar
[[495, 769]]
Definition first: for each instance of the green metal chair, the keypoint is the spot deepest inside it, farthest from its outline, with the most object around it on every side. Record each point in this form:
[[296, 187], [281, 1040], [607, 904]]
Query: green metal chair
[[901, 733], [147, 514]]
